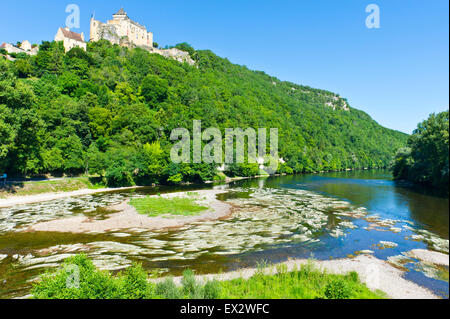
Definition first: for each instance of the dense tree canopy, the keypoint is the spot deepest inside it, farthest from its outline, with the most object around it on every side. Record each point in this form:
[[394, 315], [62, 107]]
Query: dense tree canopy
[[110, 111], [426, 158]]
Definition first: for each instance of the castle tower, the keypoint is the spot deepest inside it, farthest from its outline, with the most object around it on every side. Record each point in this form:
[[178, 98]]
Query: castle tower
[[120, 15], [94, 25]]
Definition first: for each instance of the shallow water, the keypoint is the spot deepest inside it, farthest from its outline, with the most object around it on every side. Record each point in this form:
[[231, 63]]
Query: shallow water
[[323, 216]]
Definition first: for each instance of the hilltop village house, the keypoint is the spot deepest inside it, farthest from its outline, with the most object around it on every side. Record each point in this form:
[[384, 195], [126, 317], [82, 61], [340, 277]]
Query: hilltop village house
[[121, 29], [70, 39], [24, 47]]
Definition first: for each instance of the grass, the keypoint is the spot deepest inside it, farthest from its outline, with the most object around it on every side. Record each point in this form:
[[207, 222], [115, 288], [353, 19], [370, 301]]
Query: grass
[[304, 283], [51, 186], [156, 206]]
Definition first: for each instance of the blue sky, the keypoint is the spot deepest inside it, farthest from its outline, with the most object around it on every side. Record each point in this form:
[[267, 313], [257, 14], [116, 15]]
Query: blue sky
[[399, 74]]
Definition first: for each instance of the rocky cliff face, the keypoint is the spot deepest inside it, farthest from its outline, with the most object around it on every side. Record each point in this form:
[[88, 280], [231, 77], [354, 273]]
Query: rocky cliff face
[[109, 32], [338, 103], [321, 97], [176, 54]]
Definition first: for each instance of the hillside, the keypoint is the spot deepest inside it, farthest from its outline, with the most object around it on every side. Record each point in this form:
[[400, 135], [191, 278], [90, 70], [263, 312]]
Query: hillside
[[111, 110]]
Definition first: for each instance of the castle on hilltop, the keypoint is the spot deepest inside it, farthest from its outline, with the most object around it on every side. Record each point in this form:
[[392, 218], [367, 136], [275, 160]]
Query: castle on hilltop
[[125, 32], [121, 30]]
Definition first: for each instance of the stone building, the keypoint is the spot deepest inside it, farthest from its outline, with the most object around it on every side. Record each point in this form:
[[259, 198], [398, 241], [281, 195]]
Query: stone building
[[70, 39], [126, 32], [121, 30], [8, 47], [25, 47]]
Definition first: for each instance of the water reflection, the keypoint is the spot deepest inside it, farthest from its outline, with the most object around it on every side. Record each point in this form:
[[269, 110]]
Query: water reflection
[[428, 211]]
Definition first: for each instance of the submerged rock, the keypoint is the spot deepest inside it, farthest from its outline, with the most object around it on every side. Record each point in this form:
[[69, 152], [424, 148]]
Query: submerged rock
[[387, 244]]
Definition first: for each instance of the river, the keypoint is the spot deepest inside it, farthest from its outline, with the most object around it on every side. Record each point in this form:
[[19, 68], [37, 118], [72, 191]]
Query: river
[[321, 216]]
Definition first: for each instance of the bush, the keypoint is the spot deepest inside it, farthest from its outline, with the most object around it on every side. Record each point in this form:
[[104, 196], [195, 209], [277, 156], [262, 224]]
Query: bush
[[134, 284], [167, 289], [79, 279], [305, 283], [337, 289], [285, 169], [243, 169], [92, 284], [190, 287], [211, 290]]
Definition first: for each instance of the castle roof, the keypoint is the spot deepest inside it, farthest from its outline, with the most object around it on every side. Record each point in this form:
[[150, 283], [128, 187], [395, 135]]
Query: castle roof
[[121, 12], [72, 35]]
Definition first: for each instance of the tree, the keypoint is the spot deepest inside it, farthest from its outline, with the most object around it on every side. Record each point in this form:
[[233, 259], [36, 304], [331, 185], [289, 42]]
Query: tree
[[187, 48], [426, 160], [106, 110], [152, 161], [69, 82], [154, 89], [402, 162], [99, 121], [8, 135], [24, 68], [95, 161]]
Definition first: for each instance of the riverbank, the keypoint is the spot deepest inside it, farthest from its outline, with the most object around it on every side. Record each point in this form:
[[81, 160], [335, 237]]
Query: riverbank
[[29, 199], [20, 193], [362, 277], [44, 186], [307, 282], [375, 273], [125, 216]]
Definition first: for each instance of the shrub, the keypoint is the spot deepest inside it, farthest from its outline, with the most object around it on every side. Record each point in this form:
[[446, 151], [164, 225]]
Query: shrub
[[190, 287], [211, 290], [305, 283], [92, 284], [134, 284], [337, 289], [353, 276], [79, 279], [167, 289]]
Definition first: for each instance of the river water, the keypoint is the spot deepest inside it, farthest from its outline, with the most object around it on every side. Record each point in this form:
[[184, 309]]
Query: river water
[[321, 216]]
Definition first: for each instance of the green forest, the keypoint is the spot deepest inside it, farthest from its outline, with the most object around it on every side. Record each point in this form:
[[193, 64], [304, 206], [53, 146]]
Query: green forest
[[109, 112], [425, 160]]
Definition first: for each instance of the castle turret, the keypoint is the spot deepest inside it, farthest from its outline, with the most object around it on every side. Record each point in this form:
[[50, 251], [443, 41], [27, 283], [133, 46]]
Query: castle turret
[[121, 14], [94, 26]]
